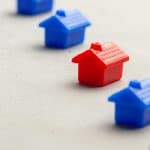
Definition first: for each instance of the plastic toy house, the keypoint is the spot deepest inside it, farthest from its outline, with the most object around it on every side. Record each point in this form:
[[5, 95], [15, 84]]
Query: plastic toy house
[[101, 64], [32, 7], [132, 104], [65, 29]]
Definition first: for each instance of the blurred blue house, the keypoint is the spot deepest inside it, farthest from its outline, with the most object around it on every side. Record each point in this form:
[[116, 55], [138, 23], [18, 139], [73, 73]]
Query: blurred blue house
[[32, 7]]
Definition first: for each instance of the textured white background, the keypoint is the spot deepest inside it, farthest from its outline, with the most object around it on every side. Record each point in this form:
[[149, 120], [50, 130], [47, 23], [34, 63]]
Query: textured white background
[[41, 105]]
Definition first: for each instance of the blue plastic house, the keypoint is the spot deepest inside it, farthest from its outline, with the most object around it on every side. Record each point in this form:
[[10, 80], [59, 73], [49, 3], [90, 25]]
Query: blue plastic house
[[65, 29], [132, 104], [32, 7]]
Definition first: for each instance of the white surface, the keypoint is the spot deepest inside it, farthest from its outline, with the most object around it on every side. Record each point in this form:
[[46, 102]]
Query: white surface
[[41, 105]]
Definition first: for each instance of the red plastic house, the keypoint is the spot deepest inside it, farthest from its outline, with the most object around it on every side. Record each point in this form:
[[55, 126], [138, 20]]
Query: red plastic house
[[101, 64]]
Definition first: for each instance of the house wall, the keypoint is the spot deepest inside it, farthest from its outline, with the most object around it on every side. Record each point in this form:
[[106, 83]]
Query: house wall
[[113, 73], [90, 73], [75, 37], [42, 5], [23, 6], [55, 38], [129, 115], [147, 116], [34, 6]]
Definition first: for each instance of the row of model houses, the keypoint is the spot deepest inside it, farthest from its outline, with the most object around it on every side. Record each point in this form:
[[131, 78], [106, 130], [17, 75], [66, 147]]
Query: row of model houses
[[99, 65]]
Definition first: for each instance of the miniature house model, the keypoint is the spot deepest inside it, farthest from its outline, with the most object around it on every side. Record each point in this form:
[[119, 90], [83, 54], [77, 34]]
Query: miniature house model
[[101, 64], [65, 29], [31, 7], [132, 104]]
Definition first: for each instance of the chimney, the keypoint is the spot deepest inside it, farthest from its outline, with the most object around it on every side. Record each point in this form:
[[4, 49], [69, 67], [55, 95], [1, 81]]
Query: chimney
[[96, 46]]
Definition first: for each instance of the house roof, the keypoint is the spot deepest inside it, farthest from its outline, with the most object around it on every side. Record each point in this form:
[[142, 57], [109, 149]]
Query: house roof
[[108, 54], [139, 90], [69, 20]]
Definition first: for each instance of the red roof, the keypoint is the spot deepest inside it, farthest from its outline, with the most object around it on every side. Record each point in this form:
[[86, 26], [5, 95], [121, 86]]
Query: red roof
[[107, 53]]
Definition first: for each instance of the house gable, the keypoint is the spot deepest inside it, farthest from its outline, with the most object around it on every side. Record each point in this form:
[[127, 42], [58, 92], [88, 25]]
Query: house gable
[[126, 97], [87, 56], [53, 24]]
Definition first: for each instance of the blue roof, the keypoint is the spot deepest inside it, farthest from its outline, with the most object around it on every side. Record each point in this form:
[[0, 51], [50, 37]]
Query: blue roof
[[68, 20], [137, 90]]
